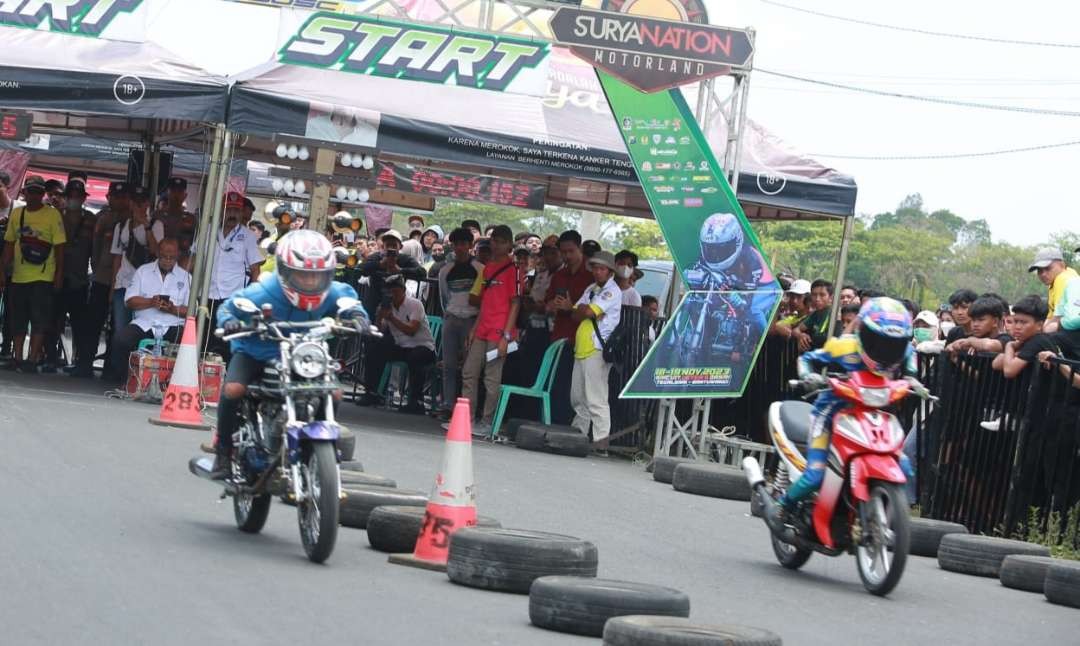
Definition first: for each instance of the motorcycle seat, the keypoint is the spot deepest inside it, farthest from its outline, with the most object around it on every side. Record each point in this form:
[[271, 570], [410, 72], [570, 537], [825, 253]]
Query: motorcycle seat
[[795, 418]]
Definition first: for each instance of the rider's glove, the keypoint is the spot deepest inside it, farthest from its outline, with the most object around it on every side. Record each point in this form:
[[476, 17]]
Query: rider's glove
[[814, 381], [917, 388], [232, 325]]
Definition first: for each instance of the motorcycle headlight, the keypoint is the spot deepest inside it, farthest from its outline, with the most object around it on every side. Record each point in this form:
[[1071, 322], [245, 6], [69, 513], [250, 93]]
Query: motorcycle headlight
[[309, 360], [875, 397]]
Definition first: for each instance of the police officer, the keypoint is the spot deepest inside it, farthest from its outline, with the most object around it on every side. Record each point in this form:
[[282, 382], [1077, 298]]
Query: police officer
[[180, 224], [238, 257]]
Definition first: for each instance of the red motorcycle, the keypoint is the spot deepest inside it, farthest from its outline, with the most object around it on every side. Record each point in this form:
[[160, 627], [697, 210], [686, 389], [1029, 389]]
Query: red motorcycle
[[861, 507]]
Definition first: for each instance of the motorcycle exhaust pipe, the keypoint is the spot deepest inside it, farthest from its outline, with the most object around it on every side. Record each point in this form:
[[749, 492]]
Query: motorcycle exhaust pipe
[[753, 473], [769, 509]]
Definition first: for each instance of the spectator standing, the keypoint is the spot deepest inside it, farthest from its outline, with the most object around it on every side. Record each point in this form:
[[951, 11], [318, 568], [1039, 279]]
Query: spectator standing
[[625, 263], [35, 246], [180, 224], [849, 295], [134, 244], [986, 316], [1049, 265], [497, 292], [388, 262], [237, 258], [456, 280], [117, 211], [431, 236], [483, 251], [815, 329], [567, 286], [1067, 335], [409, 339], [1029, 315], [5, 213], [157, 297], [797, 307], [473, 226], [79, 224], [597, 314], [959, 305]]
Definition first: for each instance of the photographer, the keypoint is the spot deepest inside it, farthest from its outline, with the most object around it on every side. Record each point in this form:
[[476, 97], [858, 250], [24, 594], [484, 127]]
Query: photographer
[[388, 262], [409, 340]]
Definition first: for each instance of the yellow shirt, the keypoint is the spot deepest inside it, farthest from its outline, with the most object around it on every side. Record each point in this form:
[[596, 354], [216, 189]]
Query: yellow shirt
[[44, 224], [584, 345], [1057, 291]]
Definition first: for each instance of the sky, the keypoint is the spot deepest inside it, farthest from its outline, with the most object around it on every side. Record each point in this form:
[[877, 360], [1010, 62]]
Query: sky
[[1024, 197]]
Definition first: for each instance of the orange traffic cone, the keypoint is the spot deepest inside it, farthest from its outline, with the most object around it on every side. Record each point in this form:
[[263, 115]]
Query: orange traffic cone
[[180, 407], [452, 504]]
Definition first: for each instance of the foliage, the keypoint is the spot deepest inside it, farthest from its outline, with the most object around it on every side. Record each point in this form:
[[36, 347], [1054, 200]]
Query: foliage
[[1062, 536]]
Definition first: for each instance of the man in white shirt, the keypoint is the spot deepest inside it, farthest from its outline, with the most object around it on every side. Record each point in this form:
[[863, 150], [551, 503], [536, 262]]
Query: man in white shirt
[[237, 260], [597, 313], [134, 243], [157, 297], [409, 340]]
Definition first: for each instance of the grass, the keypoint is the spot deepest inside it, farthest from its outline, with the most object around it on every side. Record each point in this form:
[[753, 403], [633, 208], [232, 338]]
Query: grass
[[1061, 535]]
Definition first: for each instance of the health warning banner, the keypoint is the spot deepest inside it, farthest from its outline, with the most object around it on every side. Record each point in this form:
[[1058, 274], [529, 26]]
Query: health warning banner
[[712, 339]]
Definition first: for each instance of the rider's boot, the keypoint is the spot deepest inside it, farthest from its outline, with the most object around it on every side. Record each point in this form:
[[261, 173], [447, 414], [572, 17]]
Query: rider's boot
[[222, 468]]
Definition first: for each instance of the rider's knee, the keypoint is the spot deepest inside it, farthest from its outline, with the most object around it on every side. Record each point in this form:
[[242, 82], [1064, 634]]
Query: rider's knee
[[234, 390]]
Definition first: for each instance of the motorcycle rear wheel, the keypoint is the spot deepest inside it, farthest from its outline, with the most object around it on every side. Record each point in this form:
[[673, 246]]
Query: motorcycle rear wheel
[[317, 515], [883, 551], [251, 512], [789, 556]]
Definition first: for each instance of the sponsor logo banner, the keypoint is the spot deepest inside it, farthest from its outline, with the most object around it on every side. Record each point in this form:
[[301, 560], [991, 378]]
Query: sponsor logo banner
[[91, 18], [402, 50]]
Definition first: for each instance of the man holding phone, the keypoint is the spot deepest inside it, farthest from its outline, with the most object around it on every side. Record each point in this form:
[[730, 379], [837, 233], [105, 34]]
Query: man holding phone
[[388, 262], [157, 298], [567, 286]]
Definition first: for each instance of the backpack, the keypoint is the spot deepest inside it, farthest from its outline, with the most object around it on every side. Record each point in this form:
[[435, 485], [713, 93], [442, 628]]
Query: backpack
[[35, 251], [137, 254]]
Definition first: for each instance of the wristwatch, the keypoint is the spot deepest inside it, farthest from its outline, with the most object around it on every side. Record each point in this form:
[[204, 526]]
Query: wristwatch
[[507, 336]]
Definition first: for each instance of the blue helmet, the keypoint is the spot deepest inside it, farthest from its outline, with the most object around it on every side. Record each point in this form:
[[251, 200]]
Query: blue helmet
[[884, 334]]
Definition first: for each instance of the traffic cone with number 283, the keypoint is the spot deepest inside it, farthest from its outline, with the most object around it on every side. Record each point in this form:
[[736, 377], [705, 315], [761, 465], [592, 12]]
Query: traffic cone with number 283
[[453, 499], [181, 405]]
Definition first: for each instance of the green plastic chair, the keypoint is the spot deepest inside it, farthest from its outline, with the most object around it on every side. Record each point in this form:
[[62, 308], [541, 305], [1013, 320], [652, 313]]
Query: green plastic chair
[[540, 390], [435, 323]]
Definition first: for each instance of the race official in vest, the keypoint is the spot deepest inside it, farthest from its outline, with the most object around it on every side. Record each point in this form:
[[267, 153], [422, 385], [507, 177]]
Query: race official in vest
[[597, 314], [157, 298], [236, 262]]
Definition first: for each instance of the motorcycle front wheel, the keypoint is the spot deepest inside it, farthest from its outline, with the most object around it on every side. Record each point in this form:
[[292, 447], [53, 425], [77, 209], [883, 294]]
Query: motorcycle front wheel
[[318, 513], [883, 549]]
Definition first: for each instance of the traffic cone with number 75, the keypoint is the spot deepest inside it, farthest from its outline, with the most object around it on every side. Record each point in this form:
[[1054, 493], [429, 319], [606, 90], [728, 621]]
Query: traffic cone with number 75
[[453, 499], [181, 405]]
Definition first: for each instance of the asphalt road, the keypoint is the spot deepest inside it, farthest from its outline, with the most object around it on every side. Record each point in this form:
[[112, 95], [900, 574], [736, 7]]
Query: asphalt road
[[106, 539]]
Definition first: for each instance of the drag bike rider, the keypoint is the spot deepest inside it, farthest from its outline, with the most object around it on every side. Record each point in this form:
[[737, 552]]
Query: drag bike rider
[[881, 344], [301, 289]]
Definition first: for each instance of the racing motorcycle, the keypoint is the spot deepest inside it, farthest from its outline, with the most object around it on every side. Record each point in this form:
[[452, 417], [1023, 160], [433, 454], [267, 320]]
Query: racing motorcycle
[[286, 442], [861, 507]]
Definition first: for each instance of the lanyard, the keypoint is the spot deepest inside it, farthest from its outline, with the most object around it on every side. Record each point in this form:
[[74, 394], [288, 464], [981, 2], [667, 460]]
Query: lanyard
[[222, 241]]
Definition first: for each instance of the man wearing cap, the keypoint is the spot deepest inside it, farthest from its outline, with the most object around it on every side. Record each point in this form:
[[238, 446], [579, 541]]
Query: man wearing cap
[[797, 304], [180, 224], [407, 338], [1049, 265], [388, 262], [597, 314], [237, 257], [117, 210], [71, 302], [35, 243], [456, 279], [1067, 334], [249, 211], [54, 192]]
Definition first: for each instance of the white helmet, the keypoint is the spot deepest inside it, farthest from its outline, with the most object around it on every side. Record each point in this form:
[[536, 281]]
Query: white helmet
[[721, 241], [305, 267]]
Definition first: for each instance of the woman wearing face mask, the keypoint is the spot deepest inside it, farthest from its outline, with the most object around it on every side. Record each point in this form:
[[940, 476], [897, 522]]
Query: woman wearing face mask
[[625, 262], [927, 337]]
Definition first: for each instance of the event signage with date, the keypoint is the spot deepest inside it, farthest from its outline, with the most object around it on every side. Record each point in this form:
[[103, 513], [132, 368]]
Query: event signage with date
[[461, 186], [648, 53]]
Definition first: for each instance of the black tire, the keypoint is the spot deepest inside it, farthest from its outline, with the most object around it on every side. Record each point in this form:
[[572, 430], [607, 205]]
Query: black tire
[[982, 555], [573, 444], [643, 630], [711, 480], [788, 555], [251, 512], [926, 535], [511, 426], [664, 467], [351, 478], [360, 500], [531, 437], [1063, 583], [318, 516], [394, 529], [898, 516], [1024, 572], [346, 445], [352, 465], [582, 605], [510, 560]]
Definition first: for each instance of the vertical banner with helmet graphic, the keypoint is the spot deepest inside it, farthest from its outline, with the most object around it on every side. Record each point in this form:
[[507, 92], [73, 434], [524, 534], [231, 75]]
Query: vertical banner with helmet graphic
[[710, 343]]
